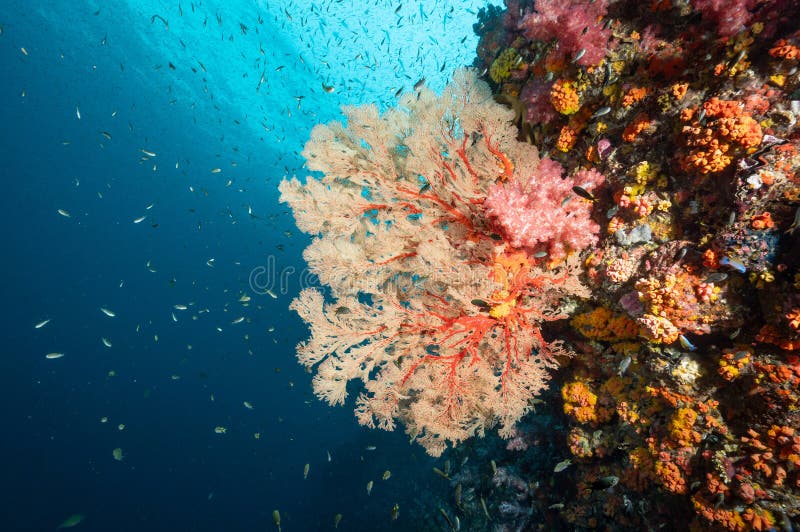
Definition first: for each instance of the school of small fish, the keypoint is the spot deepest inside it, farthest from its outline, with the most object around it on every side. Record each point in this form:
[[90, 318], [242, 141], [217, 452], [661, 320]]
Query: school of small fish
[[348, 58]]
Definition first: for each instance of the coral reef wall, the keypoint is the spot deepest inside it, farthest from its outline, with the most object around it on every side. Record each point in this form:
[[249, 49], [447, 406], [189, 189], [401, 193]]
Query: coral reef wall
[[681, 403], [610, 203]]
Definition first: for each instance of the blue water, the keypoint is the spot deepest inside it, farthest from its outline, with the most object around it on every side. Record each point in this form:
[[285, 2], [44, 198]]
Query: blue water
[[187, 87]]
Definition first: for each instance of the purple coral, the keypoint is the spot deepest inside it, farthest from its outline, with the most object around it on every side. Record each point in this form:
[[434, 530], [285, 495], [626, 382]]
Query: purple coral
[[576, 24], [545, 210]]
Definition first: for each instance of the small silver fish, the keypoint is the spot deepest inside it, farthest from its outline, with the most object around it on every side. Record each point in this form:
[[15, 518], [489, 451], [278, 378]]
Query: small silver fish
[[605, 482], [623, 365], [795, 223], [601, 112], [578, 56], [716, 277], [562, 465]]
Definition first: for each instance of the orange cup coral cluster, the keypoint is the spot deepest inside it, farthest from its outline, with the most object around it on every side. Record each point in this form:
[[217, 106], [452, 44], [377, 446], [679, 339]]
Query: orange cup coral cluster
[[565, 97], [716, 134], [602, 324], [581, 404]]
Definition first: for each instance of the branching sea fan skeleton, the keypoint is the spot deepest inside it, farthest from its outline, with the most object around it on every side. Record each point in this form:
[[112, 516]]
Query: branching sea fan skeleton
[[431, 309]]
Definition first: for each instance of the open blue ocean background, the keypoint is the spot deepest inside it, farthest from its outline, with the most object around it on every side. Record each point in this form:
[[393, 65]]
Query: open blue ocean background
[[187, 114]]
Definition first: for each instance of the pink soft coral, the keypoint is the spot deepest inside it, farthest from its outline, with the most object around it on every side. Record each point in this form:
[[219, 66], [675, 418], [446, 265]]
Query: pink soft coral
[[731, 17], [577, 24], [545, 211]]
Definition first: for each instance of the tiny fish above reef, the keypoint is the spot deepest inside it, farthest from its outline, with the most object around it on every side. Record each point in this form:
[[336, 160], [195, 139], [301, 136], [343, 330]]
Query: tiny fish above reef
[[605, 482], [623, 365], [734, 263], [686, 344], [441, 473], [582, 192], [716, 277], [795, 222], [562, 465], [480, 303], [72, 521], [601, 112]]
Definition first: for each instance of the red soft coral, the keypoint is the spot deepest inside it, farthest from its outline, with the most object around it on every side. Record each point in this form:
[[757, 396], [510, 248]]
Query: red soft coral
[[577, 24], [730, 16], [536, 98]]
